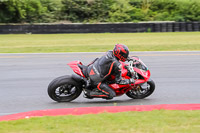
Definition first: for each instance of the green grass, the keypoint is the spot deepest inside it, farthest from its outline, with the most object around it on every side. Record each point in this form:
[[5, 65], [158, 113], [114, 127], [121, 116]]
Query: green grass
[[158, 121], [47, 43]]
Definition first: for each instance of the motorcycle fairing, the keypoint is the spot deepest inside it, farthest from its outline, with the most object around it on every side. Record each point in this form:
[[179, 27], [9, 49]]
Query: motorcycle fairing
[[76, 68], [142, 70], [120, 89], [139, 68], [144, 74]]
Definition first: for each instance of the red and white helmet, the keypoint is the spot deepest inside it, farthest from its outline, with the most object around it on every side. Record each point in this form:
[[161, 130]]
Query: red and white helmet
[[121, 51]]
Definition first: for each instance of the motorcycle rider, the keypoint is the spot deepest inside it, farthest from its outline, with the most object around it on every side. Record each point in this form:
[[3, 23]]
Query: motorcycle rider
[[103, 67]]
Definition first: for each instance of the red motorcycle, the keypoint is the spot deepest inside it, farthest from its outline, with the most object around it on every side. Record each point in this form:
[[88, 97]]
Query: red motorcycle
[[69, 87]]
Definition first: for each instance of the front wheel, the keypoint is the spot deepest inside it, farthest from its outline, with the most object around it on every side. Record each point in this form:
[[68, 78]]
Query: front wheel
[[142, 91], [64, 89]]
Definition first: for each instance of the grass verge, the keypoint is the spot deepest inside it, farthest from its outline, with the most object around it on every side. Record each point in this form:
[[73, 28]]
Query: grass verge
[[101, 42], [157, 121]]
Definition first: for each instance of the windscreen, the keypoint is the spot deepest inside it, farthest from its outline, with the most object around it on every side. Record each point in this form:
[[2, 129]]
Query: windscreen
[[140, 65]]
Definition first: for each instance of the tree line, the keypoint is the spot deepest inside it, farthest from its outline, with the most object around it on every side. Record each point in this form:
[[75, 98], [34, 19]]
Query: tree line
[[95, 11]]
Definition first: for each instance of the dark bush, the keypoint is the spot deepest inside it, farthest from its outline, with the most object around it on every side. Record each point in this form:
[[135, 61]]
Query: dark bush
[[28, 11]]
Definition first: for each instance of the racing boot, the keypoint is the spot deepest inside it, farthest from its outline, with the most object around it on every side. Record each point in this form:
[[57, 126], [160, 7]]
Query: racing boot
[[106, 91], [95, 93], [87, 95], [103, 91]]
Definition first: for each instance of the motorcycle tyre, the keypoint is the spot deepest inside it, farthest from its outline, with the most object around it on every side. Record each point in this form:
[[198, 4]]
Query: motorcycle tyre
[[152, 88], [62, 81]]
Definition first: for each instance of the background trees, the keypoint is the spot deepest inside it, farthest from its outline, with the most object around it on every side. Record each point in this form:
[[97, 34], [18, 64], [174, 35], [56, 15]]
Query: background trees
[[94, 11]]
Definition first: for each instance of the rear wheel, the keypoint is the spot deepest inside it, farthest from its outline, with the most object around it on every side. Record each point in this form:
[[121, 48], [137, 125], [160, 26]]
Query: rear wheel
[[142, 91], [64, 89]]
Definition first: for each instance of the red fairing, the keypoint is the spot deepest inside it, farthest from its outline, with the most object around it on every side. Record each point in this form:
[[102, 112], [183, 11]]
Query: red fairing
[[120, 89], [124, 71], [146, 74], [75, 67], [139, 81]]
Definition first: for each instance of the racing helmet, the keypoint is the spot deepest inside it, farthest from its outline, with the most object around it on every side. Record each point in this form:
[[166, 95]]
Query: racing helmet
[[121, 52]]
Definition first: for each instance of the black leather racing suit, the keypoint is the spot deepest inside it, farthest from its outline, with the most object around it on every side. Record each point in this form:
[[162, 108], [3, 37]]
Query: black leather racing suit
[[100, 71]]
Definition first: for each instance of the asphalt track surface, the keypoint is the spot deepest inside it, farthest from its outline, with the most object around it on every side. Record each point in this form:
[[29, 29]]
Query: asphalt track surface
[[24, 79]]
